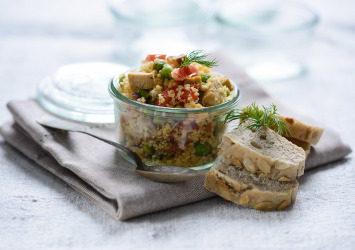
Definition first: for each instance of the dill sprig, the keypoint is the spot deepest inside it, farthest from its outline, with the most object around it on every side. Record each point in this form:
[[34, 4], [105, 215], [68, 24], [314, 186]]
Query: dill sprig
[[257, 118], [198, 57]]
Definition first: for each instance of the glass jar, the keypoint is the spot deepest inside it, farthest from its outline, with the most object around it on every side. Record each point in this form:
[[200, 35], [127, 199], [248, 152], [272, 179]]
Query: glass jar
[[151, 27], [77, 92], [171, 136], [269, 38]]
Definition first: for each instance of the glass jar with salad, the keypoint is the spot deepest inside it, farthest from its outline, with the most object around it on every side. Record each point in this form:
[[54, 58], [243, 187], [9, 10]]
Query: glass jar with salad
[[170, 110]]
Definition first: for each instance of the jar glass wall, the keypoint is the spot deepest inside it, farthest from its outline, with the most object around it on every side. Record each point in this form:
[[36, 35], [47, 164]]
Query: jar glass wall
[[172, 136]]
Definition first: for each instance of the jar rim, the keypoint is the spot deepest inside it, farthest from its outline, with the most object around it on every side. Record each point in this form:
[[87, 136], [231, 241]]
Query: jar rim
[[116, 95], [187, 14]]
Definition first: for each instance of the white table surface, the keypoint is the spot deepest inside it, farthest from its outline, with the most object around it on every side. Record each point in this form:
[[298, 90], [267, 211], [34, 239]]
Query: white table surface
[[37, 210]]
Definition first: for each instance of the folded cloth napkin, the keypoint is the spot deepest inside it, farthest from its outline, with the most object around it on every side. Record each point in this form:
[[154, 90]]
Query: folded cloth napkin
[[98, 171]]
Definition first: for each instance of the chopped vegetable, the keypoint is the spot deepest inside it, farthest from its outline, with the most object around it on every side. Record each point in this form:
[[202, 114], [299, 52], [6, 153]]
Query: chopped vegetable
[[175, 146], [205, 77], [135, 96], [165, 72], [181, 74], [178, 107], [194, 125], [209, 128], [150, 58], [143, 92], [151, 100], [149, 150], [122, 77], [201, 149], [159, 65], [181, 96]]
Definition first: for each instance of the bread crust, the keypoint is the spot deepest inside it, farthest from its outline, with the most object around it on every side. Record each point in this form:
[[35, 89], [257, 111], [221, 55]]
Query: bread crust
[[273, 157], [305, 145], [301, 131], [262, 196]]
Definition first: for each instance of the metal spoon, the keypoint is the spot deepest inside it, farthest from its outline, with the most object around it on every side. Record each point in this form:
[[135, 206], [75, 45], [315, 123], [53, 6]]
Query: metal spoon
[[162, 173]]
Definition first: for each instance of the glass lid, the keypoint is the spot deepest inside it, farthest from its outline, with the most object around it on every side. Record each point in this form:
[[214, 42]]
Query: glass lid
[[79, 92]]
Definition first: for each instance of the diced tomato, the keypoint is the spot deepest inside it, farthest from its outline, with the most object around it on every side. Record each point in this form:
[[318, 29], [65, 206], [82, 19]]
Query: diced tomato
[[180, 100], [189, 127], [209, 128], [155, 56], [194, 125], [184, 72], [182, 125], [177, 146]]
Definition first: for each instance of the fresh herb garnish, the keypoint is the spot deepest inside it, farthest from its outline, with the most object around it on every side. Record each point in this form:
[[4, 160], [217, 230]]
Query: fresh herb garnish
[[257, 118], [197, 56]]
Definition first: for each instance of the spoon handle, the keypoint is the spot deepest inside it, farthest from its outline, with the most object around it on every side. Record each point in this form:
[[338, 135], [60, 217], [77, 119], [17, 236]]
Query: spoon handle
[[50, 123], [130, 153]]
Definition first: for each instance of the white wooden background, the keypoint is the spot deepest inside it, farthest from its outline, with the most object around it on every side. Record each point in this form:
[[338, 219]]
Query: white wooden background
[[39, 211]]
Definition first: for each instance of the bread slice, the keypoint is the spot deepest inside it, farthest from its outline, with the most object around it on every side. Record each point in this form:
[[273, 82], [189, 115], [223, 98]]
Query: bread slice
[[301, 131], [305, 145], [263, 151], [240, 186]]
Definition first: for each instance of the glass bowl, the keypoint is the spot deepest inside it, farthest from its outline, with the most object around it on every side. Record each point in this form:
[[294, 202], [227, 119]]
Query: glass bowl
[[172, 136], [269, 38], [142, 27]]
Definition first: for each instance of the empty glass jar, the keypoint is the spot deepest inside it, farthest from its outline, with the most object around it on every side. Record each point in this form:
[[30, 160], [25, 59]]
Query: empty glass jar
[[269, 38], [158, 26]]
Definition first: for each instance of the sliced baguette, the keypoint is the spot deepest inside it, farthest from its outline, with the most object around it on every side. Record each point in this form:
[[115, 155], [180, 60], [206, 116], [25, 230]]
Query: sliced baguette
[[263, 151], [240, 186], [305, 145], [301, 131]]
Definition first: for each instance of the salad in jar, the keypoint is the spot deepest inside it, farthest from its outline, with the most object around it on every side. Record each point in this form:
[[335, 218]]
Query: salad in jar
[[177, 112]]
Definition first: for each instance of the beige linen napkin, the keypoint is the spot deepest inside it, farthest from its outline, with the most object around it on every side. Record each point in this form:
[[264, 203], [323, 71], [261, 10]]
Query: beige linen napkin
[[99, 173]]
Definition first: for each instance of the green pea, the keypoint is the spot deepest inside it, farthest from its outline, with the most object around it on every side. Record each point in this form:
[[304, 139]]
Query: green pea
[[143, 92], [149, 150], [178, 107], [205, 77], [201, 149], [159, 65], [122, 77], [165, 72]]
